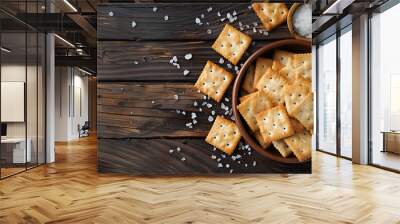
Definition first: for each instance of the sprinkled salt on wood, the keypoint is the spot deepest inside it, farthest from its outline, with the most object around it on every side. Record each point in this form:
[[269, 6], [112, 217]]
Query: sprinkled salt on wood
[[188, 56], [195, 103], [193, 115], [183, 159], [186, 72], [133, 24], [178, 149], [111, 14], [220, 165], [254, 163], [183, 112], [152, 101], [171, 151], [197, 21], [155, 9], [227, 165], [135, 62], [209, 9]]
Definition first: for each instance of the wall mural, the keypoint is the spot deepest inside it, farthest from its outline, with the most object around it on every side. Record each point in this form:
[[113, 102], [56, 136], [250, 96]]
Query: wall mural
[[204, 89]]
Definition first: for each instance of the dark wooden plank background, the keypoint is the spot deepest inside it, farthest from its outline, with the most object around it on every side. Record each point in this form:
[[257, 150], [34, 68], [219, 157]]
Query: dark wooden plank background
[[138, 123]]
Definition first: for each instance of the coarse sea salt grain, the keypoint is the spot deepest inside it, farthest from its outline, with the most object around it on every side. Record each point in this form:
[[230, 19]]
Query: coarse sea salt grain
[[226, 99], [135, 62], [154, 9], [227, 165], [195, 103], [152, 101], [193, 115], [231, 171], [178, 149], [210, 118], [221, 60], [166, 17], [133, 24], [302, 20], [209, 31], [186, 72], [209, 9], [202, 16], [188, 56], [176, 97], [209, 105], [254, 163], [213, 112], [194, 121], [197, 20], [220, 165], [178, 111], [213, 157], [229, 66], [183, 159], [183, 112], [111, 14]]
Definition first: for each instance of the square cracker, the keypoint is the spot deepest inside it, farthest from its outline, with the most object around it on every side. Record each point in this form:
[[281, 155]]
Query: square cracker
[[243, 98], [273, 84], [274, 124], [261, 140], [271, 15], [283, 57], [248, 82], [262, 66], [304, 112], [302, 65], [224, 135], [294, 95], [282, 148], [253, 105], [214, 81], [300, 144], [231, 43]]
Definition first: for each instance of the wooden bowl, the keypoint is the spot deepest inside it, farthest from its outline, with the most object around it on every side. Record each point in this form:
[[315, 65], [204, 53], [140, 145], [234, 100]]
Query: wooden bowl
[[292, 45], [292, 10]]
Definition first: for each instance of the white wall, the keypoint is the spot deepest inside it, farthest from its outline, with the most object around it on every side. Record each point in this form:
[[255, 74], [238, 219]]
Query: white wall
[[71, 103]]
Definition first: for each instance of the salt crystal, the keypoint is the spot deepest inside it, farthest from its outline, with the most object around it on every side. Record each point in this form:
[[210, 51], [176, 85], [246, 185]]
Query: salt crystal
[[241, 28], [254, 30], [234, 13], [176, 97], [188, 56], [171, 151], [183, 112], [183, 159], [223, 19], [209, 9], [178, 111], [213, 157], [255, 24], [200, 110], [135, 62], [207, 23], [249, 7], [204, 103], [226, 112], [178, 66], [218, 14], [154, 9], [219, 159], [194, 121], [226, 99], [223, 156], [213, 112], [209, 105], [228, 15], [240, 24], [205, 97], [254, 163], [188, 124], [223, 106], [202, 16], [210, 118], [265, 33], [227, 165], [214, 149], [166, 17], [197, 20], [178, 149], [245, 164], [229, 66], [231, 171], [220, 165], [186, 72], [133, 24], [209, 31], [221, 60], [193, 115], [195, 103], [152, 101], [111, 14]]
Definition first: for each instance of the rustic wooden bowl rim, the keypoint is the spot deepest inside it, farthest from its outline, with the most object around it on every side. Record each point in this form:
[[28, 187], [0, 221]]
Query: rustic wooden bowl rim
[[235, 97], [292, 10]]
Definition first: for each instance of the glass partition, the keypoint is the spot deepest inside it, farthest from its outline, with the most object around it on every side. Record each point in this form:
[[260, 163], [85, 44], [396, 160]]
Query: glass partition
[[22, 88]]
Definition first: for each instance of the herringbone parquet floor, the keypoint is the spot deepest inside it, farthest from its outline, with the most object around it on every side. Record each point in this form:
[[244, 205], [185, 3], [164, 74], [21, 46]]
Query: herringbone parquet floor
[[71, 191]]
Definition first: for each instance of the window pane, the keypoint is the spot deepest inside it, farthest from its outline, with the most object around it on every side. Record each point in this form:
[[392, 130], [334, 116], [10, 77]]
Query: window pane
[[346, 94], [385, 78], [327, 97]]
